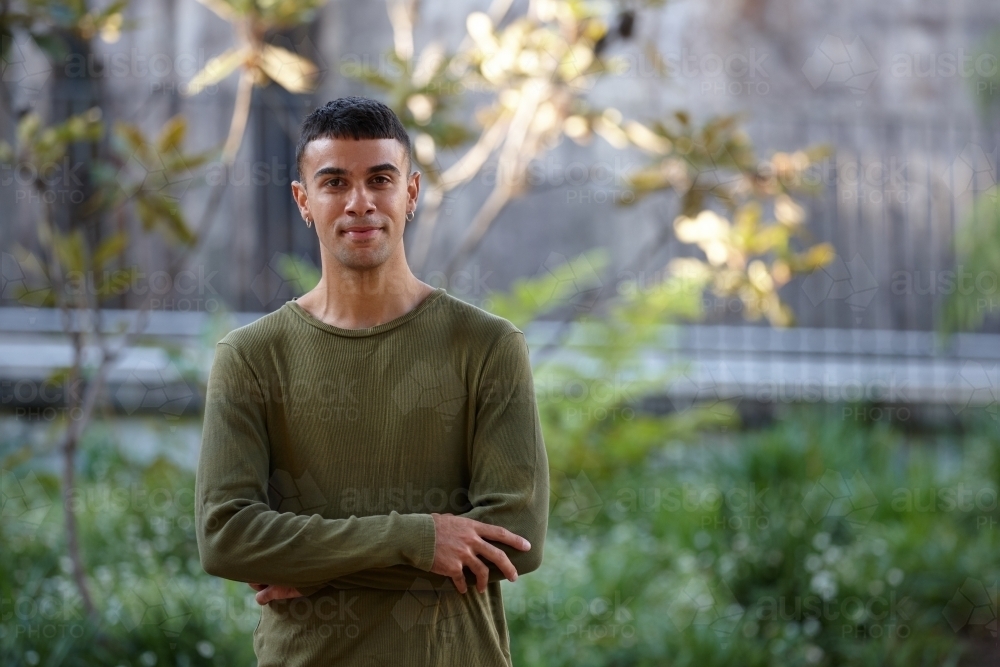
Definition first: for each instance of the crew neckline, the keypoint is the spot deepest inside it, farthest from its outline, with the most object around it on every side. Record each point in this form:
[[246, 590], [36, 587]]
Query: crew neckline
[[370, 331]]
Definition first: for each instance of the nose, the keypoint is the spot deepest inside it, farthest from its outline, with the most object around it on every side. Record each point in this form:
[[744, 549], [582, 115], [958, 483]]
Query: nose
[[359, 204]]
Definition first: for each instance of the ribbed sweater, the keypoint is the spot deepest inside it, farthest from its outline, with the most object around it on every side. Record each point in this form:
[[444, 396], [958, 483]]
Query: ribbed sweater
[[324, 452]]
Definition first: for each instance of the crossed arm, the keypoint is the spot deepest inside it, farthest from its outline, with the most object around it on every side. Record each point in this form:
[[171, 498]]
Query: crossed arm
[[241, 538]]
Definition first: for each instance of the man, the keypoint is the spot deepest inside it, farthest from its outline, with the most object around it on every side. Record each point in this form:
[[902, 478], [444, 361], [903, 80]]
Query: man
[[372, 461]]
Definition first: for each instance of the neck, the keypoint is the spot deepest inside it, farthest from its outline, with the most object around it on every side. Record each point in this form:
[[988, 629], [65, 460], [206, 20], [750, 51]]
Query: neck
[[363, 298]]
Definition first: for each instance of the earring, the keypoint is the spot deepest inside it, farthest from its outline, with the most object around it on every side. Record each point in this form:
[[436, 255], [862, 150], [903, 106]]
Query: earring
[[409, 215], [309, 222]]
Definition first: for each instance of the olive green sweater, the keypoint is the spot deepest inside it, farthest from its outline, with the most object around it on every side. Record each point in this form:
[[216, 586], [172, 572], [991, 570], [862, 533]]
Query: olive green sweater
[[324, 453]]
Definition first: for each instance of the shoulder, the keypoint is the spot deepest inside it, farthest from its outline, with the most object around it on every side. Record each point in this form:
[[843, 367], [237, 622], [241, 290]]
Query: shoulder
[[470, 321], [260, 335], [496, 347]]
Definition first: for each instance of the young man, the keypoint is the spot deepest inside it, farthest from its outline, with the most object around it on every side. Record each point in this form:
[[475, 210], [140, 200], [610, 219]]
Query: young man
[[372, 461]]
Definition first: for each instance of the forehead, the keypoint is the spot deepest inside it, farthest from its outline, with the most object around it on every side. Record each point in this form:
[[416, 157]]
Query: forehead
[[354, 155]]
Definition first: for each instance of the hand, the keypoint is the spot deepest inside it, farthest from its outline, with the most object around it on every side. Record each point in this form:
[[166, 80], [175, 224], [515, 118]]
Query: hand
[[267, 592], [458, 543]]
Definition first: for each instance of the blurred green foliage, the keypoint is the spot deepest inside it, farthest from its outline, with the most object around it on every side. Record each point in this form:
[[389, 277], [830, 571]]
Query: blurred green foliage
[[136, 523], [712, 550], [137, 173], [726, 551], [977, 251], [823, 539], [984, 77]]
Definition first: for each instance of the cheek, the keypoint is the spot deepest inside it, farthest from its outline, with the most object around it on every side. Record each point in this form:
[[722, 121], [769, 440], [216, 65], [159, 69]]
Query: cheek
[[393, 199], [327, 206]]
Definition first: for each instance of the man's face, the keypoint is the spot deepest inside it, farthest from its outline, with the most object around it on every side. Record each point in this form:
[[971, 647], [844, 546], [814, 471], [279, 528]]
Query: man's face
[[358, 194]]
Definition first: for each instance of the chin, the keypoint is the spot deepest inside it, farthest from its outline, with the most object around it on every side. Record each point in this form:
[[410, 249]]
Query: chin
[[361, 261]]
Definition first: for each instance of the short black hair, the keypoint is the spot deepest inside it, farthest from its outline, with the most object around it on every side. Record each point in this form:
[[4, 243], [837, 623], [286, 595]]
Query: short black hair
[[351, 118]]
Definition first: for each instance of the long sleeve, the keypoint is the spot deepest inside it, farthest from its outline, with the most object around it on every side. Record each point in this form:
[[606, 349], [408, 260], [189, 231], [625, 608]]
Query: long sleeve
[[241, 538], [510, 472], [509, 468]]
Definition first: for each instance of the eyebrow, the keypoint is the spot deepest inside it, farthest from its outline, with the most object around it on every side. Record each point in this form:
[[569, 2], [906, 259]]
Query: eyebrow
[[385, 166], [340, 171]]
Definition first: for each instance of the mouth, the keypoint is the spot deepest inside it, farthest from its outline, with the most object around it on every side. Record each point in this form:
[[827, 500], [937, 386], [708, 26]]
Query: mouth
[[362, 233]]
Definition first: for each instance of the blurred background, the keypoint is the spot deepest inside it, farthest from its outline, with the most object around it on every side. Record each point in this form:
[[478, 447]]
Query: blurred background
[[753, 246]]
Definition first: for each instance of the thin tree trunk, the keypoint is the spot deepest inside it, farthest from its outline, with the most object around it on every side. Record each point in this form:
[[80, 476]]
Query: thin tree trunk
[[454, 176], [69, 446], [491, 208], [69, 511], [241, 113]]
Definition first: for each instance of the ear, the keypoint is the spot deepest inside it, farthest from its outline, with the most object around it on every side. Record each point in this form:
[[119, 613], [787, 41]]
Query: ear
[[301, 198], [412, 191]]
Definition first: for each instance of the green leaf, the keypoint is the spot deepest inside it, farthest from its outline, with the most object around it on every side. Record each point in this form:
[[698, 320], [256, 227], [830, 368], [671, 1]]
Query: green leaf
[[553, 287], [52, 45], [162, 211], [70, 251], [110, 248], [172, 135], [301, 272]]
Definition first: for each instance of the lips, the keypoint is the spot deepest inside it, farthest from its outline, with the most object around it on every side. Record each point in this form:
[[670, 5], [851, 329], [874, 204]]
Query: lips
[[362, 232]]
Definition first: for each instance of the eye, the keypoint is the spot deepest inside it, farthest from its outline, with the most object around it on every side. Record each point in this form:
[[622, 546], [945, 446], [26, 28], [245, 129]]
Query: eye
[[334, 181], [382, 180]]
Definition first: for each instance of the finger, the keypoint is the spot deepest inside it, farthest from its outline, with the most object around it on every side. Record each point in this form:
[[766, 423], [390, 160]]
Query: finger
[[501, 534], [460, 584], [482, 572], [272, 593], [496, 556]]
